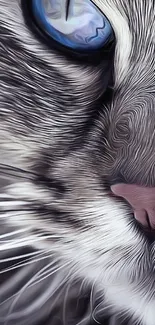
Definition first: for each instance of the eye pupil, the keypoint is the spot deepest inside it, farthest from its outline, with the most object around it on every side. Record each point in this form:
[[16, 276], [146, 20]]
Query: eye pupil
[[76, 24]]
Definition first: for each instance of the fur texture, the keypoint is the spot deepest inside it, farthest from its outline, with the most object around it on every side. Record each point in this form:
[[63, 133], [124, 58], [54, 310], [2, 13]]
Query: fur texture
[[68, 130]]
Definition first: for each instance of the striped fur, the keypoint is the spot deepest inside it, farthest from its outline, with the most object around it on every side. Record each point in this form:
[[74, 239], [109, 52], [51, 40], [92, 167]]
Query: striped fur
[[66, 133]]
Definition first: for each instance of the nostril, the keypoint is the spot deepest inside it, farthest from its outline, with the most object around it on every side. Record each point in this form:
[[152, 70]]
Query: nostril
[[142, 217], [141, 199]]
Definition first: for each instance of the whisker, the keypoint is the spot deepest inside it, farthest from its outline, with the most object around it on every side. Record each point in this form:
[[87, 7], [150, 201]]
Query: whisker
[[13, 208], [8, 170], [82, 285], [26, 286], [25, 242], [25, 263], [65, 299], [60, 284], [91, 298], [46, 274], [20, 276], [94, 311], [84, 320], [41, 299], [14, 233], [14, 258]]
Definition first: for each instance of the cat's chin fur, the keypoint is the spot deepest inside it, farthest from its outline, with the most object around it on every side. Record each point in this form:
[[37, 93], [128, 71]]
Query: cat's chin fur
[[71, 253]]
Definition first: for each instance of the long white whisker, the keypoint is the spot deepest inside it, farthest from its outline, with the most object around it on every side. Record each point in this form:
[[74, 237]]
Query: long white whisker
[[25, 263], [23, 242], [18, 257], [49, 273], [26, 242], [91, 298], [14, 295], [61, 284], [42, 299], [14, 233], [65, 299], [30, 282], [84, 320]]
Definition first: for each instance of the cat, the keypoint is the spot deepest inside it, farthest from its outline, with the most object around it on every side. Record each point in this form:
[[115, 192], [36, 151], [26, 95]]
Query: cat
[[77, 172]]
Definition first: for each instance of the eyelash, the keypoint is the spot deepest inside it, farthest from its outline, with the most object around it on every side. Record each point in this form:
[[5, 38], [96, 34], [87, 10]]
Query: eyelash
[[93, 57]]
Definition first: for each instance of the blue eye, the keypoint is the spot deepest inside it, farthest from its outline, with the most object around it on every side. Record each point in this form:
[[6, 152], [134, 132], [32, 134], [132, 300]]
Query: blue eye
[[76, 24]]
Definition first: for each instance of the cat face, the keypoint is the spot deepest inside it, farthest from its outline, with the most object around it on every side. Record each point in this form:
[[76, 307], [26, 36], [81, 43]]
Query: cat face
[[73, 133], [53, 106]]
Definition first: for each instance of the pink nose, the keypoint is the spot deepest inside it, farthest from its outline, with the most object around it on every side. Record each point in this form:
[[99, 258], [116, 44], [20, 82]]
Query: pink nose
[[142, 200]]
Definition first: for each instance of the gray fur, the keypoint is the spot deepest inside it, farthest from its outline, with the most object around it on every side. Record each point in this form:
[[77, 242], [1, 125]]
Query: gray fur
[[63, 140]]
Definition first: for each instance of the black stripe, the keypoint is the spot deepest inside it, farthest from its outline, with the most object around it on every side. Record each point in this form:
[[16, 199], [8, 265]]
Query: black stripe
[[60, 217], [67, 8]]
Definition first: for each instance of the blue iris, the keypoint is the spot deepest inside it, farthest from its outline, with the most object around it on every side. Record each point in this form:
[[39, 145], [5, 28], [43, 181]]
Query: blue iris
[[77, 24]]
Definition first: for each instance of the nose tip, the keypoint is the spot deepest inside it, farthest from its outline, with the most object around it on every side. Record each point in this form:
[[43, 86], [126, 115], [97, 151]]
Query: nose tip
[[141, 199]]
